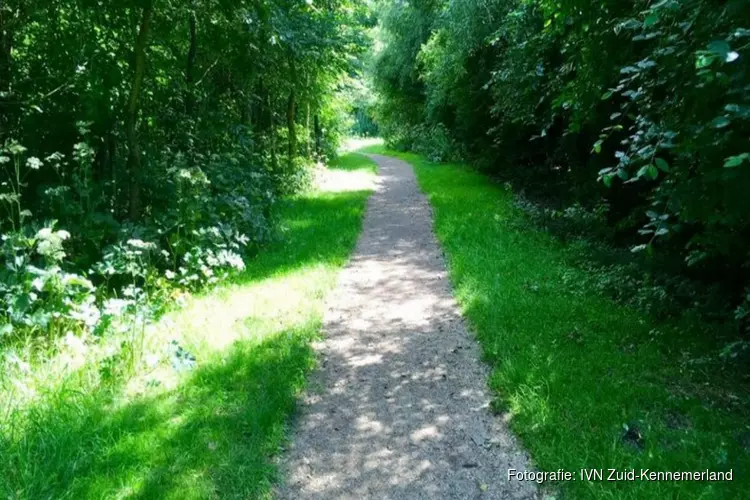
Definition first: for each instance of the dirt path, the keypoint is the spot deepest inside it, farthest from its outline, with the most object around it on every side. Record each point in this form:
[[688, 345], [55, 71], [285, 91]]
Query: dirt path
[[399, 407]]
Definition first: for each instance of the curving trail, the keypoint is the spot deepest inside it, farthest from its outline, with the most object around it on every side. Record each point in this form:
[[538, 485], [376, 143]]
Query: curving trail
[[399, 406]]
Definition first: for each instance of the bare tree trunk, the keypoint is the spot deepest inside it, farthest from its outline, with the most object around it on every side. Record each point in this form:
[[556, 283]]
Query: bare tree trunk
[[111, 142], [6, 63], [307, 116], [246, 109], [272, 134], [131, 115], [318, 135], [190, 69], [307, 131], [291, 111], [291, 124]]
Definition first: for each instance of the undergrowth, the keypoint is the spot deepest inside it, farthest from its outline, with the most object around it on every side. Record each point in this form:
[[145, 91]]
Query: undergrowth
[[204, 402]]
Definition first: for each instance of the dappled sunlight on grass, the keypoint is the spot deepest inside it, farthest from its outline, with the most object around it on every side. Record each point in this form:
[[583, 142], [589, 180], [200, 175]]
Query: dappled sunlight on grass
[[210, 431], [215, 432]]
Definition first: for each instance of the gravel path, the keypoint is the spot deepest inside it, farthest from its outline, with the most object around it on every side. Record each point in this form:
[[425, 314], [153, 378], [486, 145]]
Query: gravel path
[[399, 407]]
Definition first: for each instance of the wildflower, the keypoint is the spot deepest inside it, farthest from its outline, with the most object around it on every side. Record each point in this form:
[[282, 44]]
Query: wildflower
[[34, 163], [144, 245]]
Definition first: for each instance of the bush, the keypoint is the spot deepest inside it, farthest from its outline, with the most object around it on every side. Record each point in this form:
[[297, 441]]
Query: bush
[[435, 143], [208, 219], [38, 296]]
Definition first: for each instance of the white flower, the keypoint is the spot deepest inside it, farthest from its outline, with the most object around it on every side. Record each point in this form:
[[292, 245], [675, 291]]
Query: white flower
[[115, 307], [16, 148], [86, 313], [152, 360], [169, 274], [4, 159], [34, 163], [75, 343], [144, 245], [54, 157]]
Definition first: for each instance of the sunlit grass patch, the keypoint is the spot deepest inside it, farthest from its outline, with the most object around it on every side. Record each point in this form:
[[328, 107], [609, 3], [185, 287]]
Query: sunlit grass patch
[[210, 431], [359, 143], [585, 383], [354, 162], [348, 172]]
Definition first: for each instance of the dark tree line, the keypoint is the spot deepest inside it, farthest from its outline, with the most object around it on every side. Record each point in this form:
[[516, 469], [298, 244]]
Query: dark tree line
[[638, 112]]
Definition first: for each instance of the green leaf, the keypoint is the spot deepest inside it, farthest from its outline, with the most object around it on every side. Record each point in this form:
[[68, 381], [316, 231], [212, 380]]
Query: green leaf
[[720, 122], [662, 165], [607, 179], [704, 60], [736, 161], [653, 172], [720, 48], [22, 303], [651, 20]]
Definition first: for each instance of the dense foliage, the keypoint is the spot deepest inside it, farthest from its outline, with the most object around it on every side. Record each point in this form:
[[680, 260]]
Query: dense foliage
[[143, 145], [635, 114]]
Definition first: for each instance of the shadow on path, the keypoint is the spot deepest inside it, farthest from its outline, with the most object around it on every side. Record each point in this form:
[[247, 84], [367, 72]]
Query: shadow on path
[[400, 407]]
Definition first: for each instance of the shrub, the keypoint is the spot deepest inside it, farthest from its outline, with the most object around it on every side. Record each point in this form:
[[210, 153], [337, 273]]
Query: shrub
[[38, 296]]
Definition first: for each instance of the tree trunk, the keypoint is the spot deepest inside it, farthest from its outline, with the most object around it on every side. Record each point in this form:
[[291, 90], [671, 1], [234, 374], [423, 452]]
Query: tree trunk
[[6, 62], [307, 131], [291, 110], [190, 69], [292, 125], [246, 109], [318, 135], [131, 115], [272, 134]]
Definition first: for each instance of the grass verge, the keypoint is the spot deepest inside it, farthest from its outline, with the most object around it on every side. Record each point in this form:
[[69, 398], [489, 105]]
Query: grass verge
[[210, 431], [585, 383]]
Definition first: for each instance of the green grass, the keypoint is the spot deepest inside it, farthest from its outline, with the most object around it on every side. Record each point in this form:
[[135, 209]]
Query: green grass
[[570, 368], [211, 432], [353, 162]]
